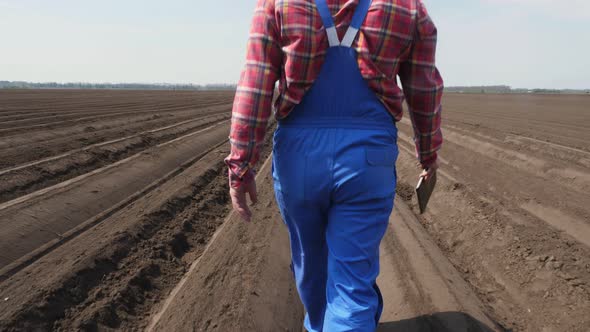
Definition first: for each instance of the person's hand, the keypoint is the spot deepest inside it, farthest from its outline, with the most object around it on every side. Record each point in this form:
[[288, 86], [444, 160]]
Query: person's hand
[[427, 173], [239, 201]]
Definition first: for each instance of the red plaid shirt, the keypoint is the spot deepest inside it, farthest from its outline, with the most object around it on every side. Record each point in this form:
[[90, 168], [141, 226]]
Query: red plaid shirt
[[288, 43]]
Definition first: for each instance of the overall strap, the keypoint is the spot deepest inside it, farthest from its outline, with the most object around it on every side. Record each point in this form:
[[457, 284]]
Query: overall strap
[[328, 22], [357, 21]]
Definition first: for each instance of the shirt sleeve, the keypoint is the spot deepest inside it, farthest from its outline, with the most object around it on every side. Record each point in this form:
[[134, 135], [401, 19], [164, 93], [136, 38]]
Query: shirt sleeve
[[423, 88], [253, 100]]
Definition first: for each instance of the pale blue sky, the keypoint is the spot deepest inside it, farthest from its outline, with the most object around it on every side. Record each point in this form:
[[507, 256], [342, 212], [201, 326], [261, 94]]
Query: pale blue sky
[[522, 43]]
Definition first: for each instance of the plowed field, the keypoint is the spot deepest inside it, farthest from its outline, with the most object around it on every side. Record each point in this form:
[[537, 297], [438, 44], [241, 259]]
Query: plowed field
[[114, 215]]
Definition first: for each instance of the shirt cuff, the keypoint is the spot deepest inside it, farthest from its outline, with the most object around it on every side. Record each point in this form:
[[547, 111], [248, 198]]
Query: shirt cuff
[[427, 160], [236, 181]]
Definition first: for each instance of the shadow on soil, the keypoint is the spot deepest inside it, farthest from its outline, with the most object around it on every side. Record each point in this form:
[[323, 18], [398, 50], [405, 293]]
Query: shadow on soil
[[438, 322]]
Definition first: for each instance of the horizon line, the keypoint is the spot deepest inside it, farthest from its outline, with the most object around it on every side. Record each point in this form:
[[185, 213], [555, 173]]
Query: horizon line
[[4, 83]]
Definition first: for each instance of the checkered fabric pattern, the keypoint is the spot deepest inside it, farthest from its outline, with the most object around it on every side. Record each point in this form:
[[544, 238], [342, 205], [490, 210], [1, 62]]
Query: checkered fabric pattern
[[287, 44]]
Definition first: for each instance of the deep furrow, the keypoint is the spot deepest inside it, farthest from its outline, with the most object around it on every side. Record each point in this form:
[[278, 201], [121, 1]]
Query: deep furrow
[[102, 144], [100, 109], [515, 119], [72, 107], [56, 100], [498, 247], [147, 257], [49, 125], [28, 178], [142, 265], [572, 138], [43, 219], [74, 137]]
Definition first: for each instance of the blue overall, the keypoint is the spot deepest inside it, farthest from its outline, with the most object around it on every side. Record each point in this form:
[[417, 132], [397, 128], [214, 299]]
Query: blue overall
[[334, 178]]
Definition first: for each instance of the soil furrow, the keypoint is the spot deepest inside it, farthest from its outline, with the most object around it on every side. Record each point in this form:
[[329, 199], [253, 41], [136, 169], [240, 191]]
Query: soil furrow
[[139, 241], [562, 173], [35, 146], [505, 226], [502, 255], [151, 131], [64, 206], [49, 125], [106, 286], [38, 117], [41, 174], [35, 101], [74, 108], [119, 287], [242, 280]]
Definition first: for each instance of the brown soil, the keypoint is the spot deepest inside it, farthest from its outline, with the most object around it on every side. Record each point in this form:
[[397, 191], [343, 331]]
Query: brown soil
[[512, 208], [120, 237], [111, 275], [33, 143], [242, 282], [32, 176], [120, 224]]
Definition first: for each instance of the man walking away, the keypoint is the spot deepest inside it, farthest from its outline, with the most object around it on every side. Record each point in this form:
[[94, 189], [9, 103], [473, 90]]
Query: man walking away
[[335, 147]]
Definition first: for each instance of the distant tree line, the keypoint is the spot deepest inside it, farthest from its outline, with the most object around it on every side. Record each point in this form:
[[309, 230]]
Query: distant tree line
[[166, 86], [128, 86], [507, 89]]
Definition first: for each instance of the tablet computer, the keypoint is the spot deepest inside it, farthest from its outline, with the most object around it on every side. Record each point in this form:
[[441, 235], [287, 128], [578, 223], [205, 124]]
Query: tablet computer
[[424, 191]]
